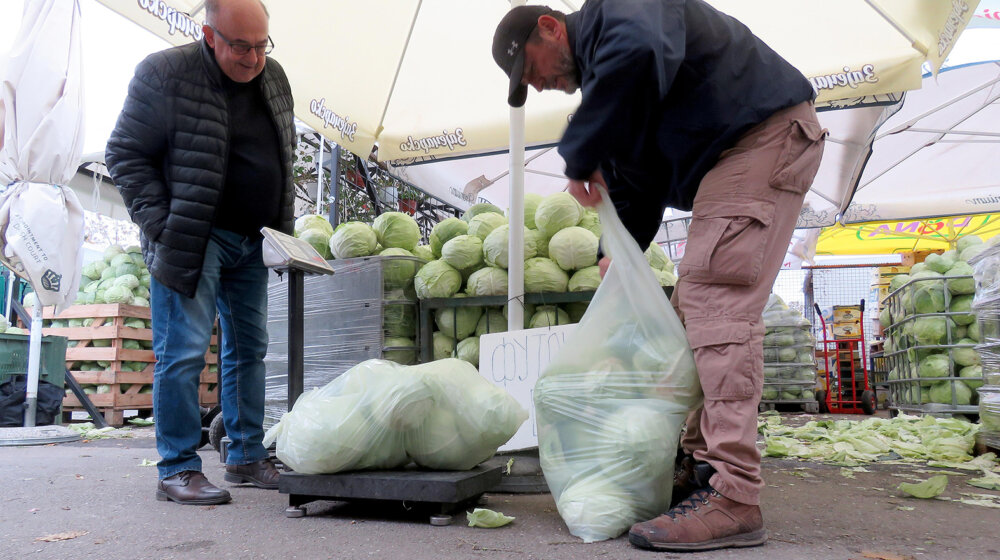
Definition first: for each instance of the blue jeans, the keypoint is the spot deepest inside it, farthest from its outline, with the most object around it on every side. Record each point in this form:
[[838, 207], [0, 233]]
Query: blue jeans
[[234, 281]]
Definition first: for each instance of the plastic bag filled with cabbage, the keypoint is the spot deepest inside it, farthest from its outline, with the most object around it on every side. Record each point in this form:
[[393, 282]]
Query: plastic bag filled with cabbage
[[382, 415], [610, 406]]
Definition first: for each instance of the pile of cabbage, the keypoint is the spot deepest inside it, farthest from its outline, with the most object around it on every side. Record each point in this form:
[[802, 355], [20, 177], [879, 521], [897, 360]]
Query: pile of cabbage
[[789, 360], [394, 235], [119, 277], [381, 415], [931, 330], [469, 257]]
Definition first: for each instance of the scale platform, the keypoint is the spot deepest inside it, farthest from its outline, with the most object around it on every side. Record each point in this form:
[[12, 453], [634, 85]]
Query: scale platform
[[439, 493]]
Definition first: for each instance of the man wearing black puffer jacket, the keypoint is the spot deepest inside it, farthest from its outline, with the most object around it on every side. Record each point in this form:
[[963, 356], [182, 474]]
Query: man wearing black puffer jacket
[[202, 155]]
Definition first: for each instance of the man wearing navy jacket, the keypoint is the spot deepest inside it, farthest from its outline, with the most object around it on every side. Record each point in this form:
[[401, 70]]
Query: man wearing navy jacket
[[683, 107]]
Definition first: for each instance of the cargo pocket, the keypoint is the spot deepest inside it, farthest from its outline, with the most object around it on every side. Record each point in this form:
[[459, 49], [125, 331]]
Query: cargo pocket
[[726, 242], [800, 157], [724, 360]]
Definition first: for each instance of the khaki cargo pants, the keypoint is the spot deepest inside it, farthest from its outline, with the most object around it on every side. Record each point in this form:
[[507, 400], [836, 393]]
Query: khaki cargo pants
[[742, 220]]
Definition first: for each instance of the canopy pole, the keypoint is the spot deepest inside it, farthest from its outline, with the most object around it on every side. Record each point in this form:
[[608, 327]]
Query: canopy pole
[[34, 353], [319, 177], [515, 249]]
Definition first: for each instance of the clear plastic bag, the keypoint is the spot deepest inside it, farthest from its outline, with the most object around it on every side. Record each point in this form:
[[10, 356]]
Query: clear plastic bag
[[381, 415], [611, 404]]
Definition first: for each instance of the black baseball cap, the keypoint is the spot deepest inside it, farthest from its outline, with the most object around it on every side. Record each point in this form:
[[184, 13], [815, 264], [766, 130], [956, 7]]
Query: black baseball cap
[[508, 47]]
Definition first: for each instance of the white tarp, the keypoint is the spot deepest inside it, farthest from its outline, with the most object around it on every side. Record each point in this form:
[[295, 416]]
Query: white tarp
[[41, 222]]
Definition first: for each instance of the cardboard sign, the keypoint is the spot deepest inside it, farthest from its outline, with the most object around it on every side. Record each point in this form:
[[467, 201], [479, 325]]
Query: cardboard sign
[[513, 361]]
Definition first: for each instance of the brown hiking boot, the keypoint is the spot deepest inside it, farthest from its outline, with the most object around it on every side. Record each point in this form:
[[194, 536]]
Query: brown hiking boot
[[705, 521], [689, 477]]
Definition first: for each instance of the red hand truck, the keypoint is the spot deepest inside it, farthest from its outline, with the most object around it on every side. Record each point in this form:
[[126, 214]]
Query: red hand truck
[[847, 389]]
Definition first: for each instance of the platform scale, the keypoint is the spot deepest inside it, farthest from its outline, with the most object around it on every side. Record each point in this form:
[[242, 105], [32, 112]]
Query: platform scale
[[438, 493]]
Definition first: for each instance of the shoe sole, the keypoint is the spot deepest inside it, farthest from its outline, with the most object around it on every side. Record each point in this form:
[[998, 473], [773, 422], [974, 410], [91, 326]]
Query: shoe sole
[[164, 497], [243, 479], [754, 538]]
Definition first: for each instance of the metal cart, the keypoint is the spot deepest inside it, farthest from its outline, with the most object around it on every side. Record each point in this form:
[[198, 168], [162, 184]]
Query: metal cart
[[846, 379]]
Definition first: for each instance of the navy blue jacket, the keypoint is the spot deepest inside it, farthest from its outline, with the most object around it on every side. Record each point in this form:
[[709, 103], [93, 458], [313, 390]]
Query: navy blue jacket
[[667, 86]]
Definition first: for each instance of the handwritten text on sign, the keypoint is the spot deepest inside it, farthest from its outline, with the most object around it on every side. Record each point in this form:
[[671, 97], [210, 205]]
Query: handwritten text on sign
[[514, 361]]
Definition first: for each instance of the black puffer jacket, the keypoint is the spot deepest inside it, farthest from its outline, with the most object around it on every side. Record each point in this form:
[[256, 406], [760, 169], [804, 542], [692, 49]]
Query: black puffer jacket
[[168, 151]]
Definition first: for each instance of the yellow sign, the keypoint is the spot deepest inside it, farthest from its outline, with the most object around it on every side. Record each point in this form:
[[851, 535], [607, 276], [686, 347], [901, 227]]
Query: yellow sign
[[874, 238]]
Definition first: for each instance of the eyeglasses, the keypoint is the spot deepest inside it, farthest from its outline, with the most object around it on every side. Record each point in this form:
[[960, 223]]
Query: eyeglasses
[[241, 48]]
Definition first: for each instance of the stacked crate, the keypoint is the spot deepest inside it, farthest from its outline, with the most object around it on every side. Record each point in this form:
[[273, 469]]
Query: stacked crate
[[107, 339]]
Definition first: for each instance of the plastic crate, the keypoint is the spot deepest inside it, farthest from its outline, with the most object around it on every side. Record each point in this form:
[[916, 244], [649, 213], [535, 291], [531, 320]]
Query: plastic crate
[[14, 358]]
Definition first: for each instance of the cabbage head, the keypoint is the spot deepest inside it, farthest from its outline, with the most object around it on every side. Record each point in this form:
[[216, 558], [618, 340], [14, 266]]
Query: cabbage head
[[961, 285], [973, 331], [457, 322], [319, 239], [444, 231], [312, 221], [965, 356], [480, 208], [405, 354], [497, 244], [353, 239], [557, 211], [463, 252], [935, 365], [941, 392], [930, 330], [468, 350], [128, 280], [591, 222], [436, 440], [972, 251], [928, 297], [444, 345], [658, 258], [898, 281], [585, 280], [119, 294], [488, 281], [424, 252], [531, 202], [541, 243], [396, 229], [972, 376], [548, 316], [963, 304], [437, 279], [481, 225], [397, 273], [491, 322], [939, 263], [665, 277], [111, 250], [595, 508], [544, 275], [399, 320], [967, 241], [573, 248]]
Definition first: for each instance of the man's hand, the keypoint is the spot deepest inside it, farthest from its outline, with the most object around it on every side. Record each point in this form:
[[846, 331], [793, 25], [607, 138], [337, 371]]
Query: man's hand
[[603, 265], [581, 193]]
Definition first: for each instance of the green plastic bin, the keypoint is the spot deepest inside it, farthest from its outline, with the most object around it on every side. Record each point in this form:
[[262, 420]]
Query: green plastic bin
[[14, 358]]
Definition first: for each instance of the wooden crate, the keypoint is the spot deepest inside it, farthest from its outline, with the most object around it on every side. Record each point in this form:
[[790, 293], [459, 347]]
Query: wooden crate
[[109, 324]]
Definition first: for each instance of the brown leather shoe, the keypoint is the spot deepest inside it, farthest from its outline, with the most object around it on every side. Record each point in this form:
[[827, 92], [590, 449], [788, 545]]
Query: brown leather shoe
[[705, 521], [191, 488], [261, 474], [689, 477]]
